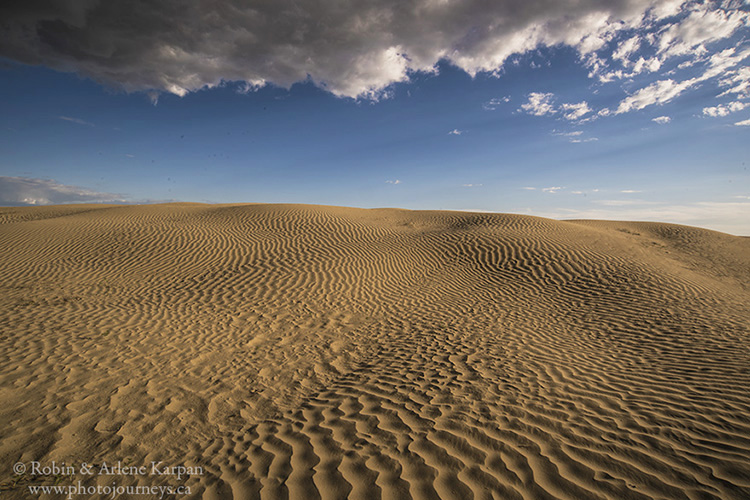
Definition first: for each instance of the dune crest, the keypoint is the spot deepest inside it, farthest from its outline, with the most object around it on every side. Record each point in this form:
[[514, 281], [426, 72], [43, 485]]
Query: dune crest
[[304, 352]]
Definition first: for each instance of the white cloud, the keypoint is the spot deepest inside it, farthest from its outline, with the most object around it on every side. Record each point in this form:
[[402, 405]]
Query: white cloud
[[455, 131], [661, 120], [76, 120], [539, 104], [666, 8], [630, 191], [721, 62], [29, 191], [702, 26], [553, 189], [393, 182], [575, 111], [659, 92], [650, 65], [640, 66], [529, 188], [626, 48], [743, 123], [495, 103], [738, 81], [725, 109], [472, 185], [584, 191], [693, 36], [542, 103], [663, 91], [574, 136], [686, 64]]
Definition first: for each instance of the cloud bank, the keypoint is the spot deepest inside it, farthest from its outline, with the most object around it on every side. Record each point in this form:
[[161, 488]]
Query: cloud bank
[[728, 217], [15, 191], [352, 49]]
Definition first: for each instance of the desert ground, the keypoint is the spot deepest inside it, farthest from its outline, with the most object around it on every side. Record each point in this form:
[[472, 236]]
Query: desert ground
[[314, 352]]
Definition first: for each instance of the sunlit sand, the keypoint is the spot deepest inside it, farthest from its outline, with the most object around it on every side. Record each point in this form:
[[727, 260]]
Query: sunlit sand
[[303, 352]]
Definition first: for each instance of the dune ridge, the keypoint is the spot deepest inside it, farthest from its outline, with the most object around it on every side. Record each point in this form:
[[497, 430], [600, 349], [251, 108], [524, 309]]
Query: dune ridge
[[306, 352]]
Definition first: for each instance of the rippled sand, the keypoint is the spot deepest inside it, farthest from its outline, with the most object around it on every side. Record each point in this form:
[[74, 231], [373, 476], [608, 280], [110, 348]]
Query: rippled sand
[[309, 352]]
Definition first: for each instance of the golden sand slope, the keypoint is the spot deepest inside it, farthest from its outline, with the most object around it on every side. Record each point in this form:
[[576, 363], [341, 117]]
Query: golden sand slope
[[318, 352]]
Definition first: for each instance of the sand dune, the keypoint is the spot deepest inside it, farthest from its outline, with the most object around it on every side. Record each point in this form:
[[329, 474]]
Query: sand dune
[[309, 352]]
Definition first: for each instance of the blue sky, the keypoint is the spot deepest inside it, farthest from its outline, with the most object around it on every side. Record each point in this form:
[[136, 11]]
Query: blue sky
[[641, 112]]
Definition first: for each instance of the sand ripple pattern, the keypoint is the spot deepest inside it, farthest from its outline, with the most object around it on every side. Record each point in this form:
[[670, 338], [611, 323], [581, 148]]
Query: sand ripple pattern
[[302, 352]]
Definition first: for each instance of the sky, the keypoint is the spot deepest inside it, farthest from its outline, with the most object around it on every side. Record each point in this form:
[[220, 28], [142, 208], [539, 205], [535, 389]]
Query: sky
[[624, 110]]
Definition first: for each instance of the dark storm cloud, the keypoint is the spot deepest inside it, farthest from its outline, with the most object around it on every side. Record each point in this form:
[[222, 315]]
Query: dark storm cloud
[[352, 48], [15, 191]]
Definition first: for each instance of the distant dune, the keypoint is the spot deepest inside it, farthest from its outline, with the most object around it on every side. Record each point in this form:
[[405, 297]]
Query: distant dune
[[305, 352]]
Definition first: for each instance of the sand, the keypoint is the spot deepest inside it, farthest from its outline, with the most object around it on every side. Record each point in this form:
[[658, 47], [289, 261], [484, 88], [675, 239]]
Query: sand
[[305, 352]]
